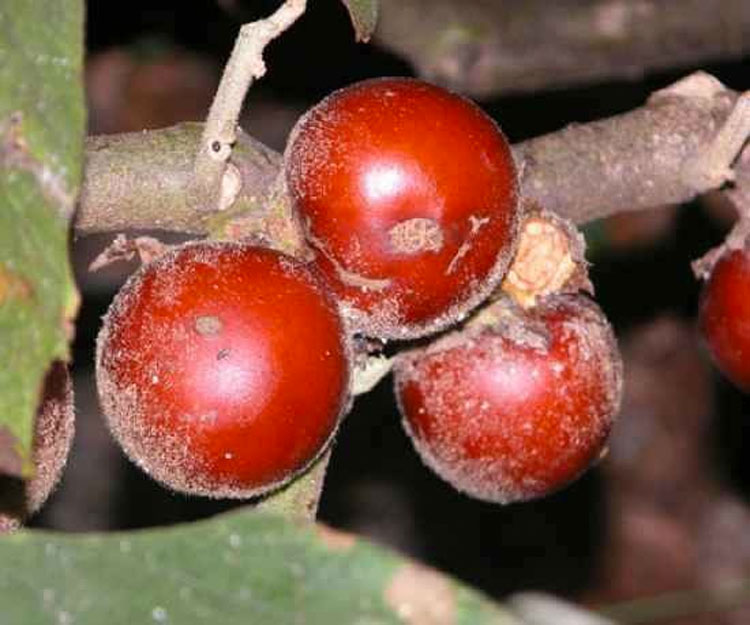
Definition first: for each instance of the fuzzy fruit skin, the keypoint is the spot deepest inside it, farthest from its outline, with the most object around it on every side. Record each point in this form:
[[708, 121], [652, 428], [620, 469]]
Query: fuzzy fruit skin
[[54, 429], [514, 410], [724, 316], [409, 195], [223, 369]]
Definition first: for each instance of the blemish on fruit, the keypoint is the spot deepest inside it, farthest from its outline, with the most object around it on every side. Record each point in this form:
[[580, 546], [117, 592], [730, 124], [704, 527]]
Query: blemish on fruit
[[208, 325], [386, 176], [475, 225], [209, 417], [368, 284], [416, 235], [181, 431]]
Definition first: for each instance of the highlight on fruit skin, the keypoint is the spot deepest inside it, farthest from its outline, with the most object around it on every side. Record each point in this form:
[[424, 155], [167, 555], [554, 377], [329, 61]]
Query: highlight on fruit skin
[[514, 409], [408, 195], [223, 369], [724, 315], [53, 436]]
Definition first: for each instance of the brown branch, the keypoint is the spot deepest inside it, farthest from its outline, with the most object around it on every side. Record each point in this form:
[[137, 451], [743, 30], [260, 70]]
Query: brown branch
[[141, 180], [486, 47], [630, 162]]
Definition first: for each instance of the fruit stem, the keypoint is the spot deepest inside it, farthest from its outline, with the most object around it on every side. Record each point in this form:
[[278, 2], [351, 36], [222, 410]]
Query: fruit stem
[[220, 132], [369, 374], [299, 500]]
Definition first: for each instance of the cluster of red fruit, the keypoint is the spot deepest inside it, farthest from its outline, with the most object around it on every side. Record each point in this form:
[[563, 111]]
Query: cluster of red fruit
[[224, 368]]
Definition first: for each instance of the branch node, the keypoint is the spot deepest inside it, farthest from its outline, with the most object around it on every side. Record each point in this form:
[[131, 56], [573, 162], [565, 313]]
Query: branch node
[[231, 185], [699, 84], [712, 167], [220, 151]]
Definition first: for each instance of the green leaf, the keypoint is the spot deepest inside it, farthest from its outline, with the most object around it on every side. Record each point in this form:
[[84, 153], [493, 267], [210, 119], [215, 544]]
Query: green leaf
[[364, 15], [238, 568], [41, 155]]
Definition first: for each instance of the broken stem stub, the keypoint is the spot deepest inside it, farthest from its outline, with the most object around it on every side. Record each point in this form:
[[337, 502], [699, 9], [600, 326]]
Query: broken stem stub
[[713, 166]]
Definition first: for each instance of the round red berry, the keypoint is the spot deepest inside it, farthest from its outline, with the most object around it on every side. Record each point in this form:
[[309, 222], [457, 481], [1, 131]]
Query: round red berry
[[408, 194], [54, 427], [516, 409], [724, 316], [223, 369]]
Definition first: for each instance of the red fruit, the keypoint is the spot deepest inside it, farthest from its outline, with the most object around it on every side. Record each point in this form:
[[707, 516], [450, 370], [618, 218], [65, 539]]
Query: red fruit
[[517, 409], [724, 316], [53, 435], [223, 369], [408, 194]]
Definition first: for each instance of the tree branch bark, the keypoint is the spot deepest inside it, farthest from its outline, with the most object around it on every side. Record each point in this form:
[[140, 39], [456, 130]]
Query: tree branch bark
[[630, 162], [488, 47], [141, 180]]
